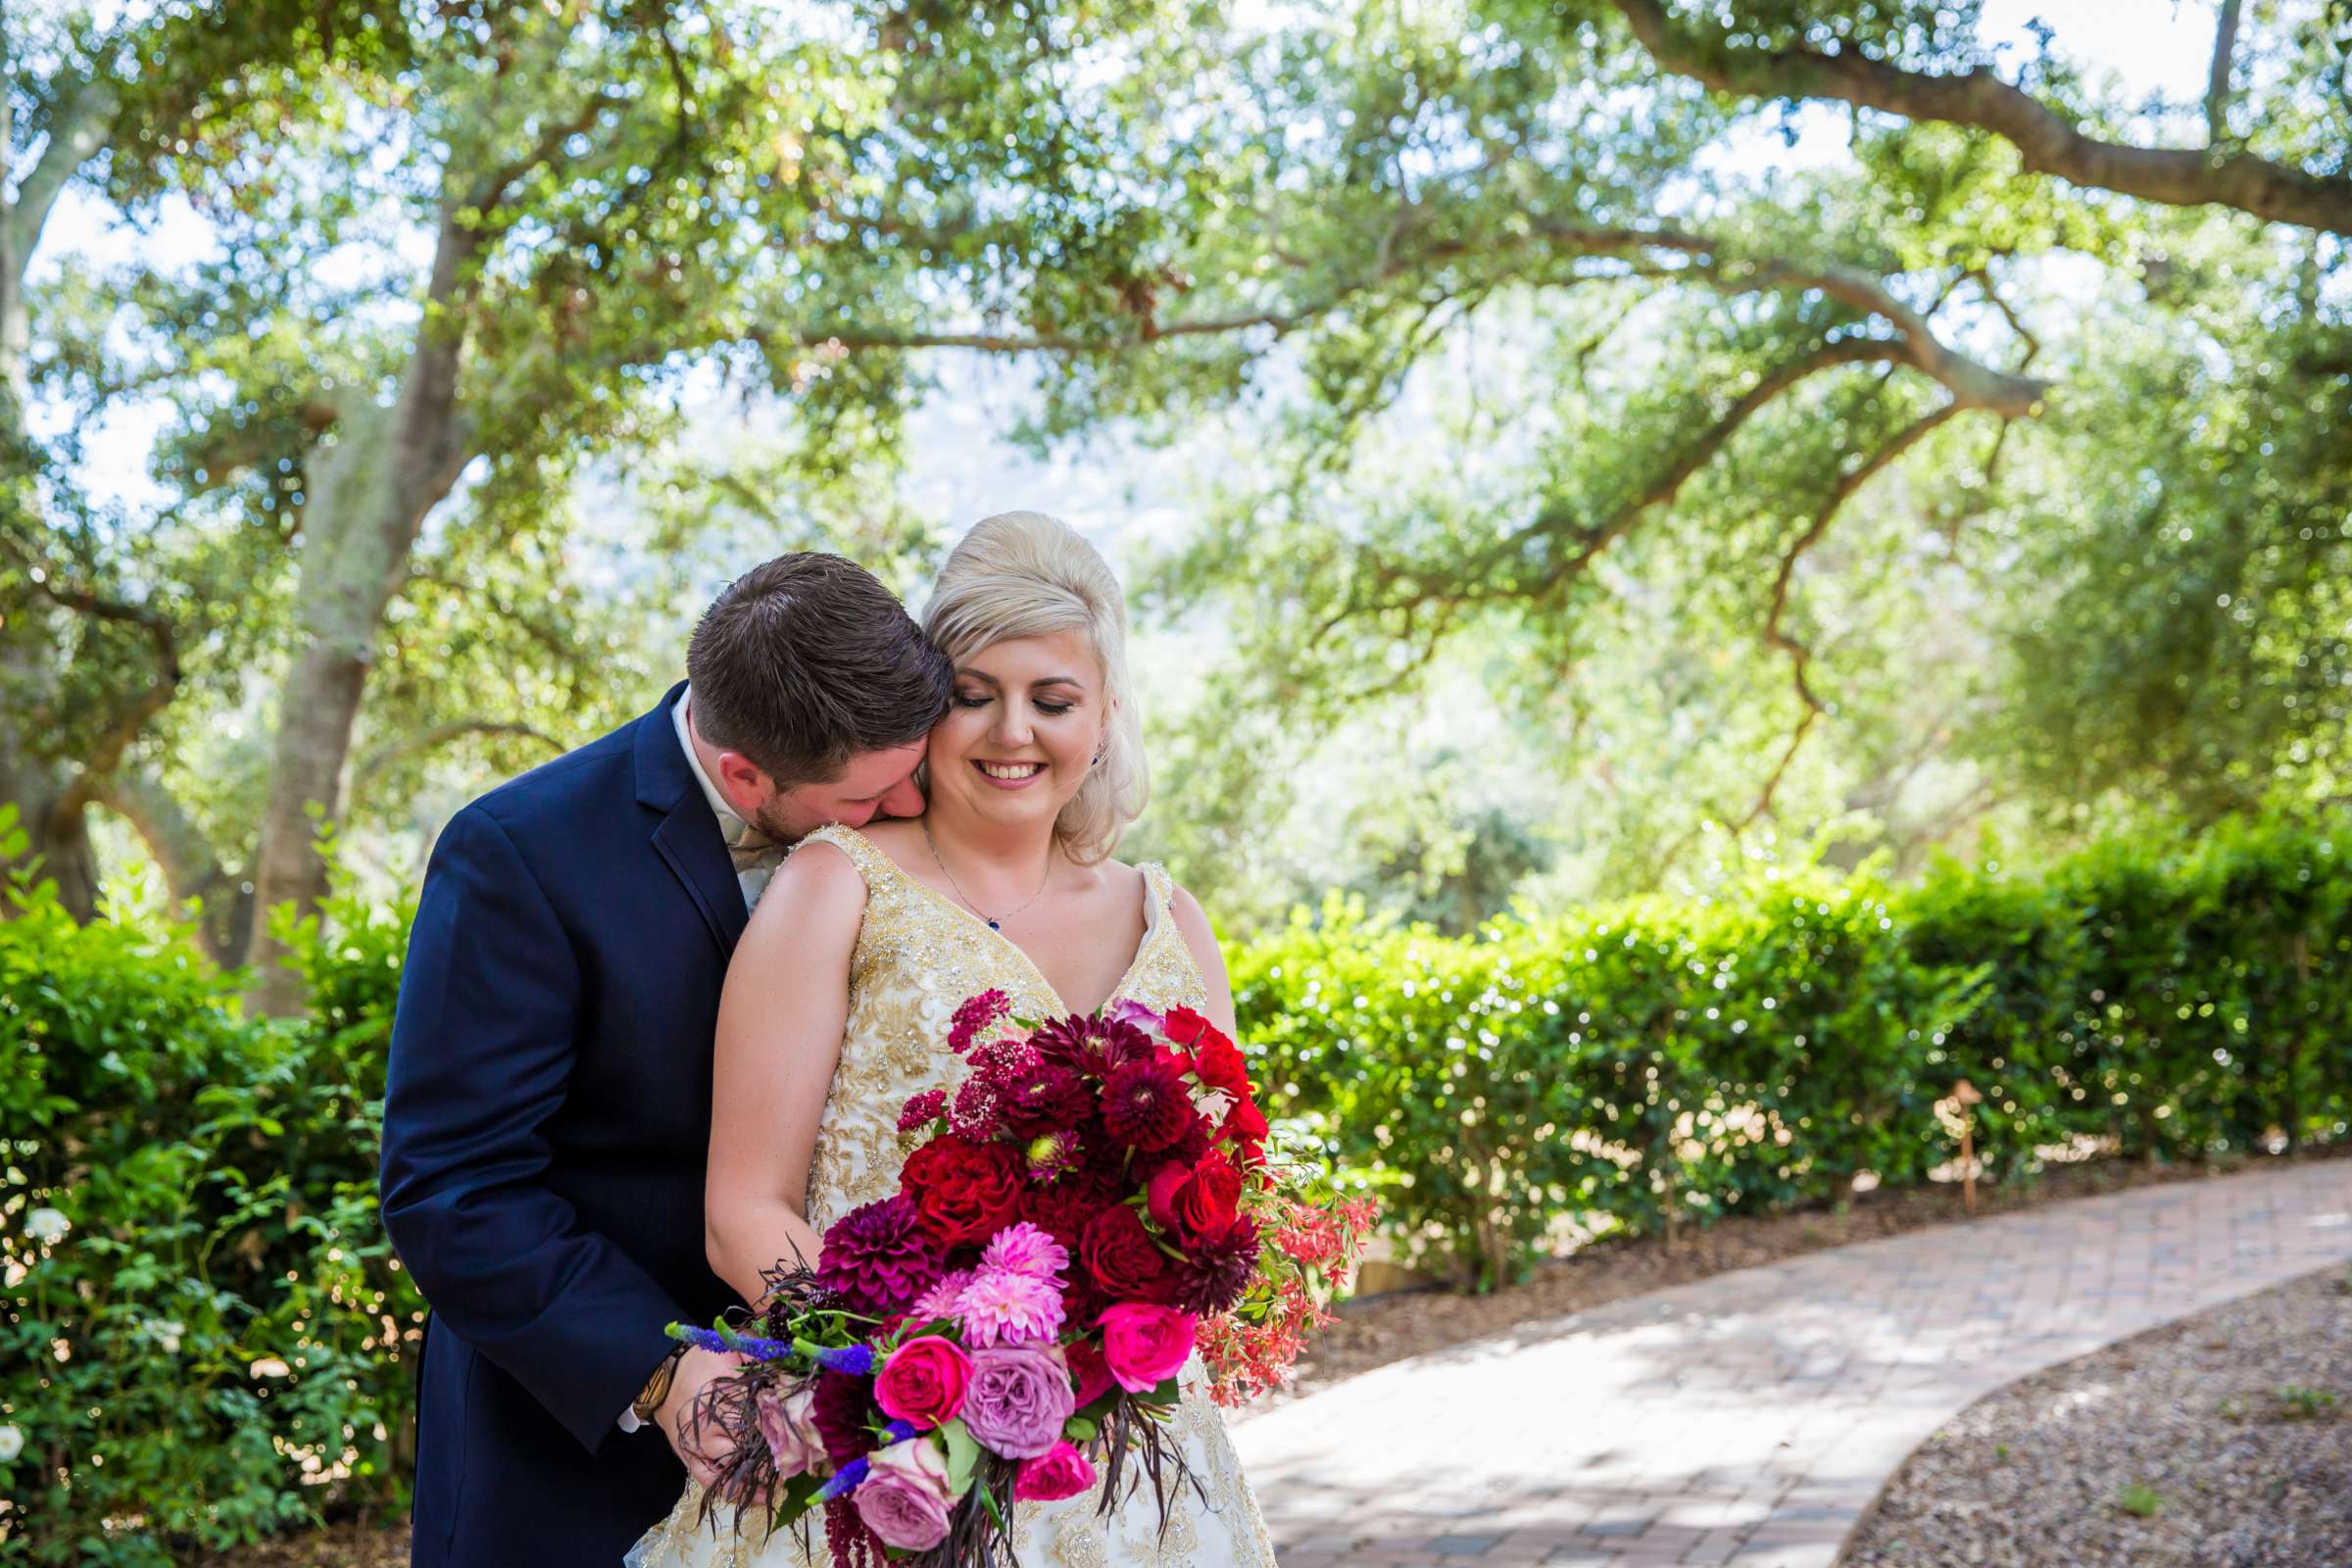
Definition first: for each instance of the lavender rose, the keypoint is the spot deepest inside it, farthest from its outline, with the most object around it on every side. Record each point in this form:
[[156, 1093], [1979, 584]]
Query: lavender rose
[[904, 1498], [1020, 1398], [785, 1421]]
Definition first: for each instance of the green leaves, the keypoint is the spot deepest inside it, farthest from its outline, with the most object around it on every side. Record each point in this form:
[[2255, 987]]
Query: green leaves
[[222, 1308]]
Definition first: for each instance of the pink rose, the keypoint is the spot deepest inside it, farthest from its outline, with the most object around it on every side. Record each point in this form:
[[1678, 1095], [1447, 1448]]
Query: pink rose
[[1145, 1345], [1020, 1398], [785, 1422], [924, 1381], [1059, 1472], [904, 1498]]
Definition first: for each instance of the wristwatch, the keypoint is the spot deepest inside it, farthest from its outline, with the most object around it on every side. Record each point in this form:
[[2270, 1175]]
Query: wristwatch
[[648, 1402]]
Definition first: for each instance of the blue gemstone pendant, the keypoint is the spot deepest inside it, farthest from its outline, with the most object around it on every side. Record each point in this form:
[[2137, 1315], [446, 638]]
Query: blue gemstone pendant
[[993, 926]]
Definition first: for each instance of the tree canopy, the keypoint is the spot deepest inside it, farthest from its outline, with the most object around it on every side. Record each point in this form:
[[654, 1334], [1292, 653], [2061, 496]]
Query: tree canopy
[[1818, 424]]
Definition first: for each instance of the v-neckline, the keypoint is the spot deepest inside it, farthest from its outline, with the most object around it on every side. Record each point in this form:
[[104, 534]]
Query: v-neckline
[[1153, 922]]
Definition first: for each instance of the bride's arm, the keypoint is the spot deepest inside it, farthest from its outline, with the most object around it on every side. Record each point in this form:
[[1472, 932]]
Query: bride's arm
[[1207, 957], [780, 1023]]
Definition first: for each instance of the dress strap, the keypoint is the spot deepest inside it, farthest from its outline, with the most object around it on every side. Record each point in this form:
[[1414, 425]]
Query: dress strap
[[873, 865], [1162, 889]]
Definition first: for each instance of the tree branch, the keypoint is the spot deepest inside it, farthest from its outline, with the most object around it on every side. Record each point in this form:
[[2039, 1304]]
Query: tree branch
[[1799, 655], [2217, 81], [130, 719], [440, 735], [2046, 141], [191, 868], [1970, 381]]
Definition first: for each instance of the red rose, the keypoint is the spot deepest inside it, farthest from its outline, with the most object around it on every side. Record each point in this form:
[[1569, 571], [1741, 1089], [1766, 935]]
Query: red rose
[[1184, 1026], [1245, 1121], [1196, 1199], [1208, 1202], [1159, 1194], [963, 1192], [1121, 1255], [1219, 1061], [1088, 1370]]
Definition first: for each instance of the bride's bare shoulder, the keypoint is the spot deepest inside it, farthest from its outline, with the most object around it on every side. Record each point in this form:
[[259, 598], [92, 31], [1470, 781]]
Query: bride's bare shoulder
[[898, 837]]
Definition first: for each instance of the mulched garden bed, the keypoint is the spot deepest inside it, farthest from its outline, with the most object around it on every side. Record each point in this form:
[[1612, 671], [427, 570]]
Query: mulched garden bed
[[2223, 1441]]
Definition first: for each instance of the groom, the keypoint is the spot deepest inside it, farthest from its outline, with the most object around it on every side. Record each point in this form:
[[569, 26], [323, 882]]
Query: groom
[[550, 1093]]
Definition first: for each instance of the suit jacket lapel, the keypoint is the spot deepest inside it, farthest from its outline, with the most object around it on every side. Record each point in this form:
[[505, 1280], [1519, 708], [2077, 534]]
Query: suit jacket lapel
[[687, 836]]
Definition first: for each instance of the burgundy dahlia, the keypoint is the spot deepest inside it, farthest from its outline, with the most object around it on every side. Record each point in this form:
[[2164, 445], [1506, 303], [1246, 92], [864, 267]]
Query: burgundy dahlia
[[1047, 1098], [1093, 1046], [840, 1408], [877, 1259], [1217, 1270], [1145, 1104]]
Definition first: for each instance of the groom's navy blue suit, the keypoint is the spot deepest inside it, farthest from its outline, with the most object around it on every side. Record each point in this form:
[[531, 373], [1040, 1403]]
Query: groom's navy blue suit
[[545, 1136]]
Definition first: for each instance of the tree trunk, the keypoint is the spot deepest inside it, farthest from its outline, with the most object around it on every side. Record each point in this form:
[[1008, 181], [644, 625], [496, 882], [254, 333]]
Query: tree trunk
[[368, 497], [192, 872], [52, 818]]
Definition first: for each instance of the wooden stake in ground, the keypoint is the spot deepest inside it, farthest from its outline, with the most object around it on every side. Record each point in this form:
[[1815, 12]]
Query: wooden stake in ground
[[1965, 1095]]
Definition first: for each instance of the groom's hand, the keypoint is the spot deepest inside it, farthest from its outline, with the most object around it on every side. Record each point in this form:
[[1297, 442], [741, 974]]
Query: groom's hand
[[705, 1448]]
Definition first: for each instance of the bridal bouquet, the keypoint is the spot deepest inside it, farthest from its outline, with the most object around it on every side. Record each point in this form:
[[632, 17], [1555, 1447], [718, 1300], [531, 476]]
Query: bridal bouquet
[[1093, 1205]]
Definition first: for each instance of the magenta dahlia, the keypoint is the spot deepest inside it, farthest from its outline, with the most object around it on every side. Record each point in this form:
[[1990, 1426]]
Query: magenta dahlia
[[876, 1257], [1145, 1104]]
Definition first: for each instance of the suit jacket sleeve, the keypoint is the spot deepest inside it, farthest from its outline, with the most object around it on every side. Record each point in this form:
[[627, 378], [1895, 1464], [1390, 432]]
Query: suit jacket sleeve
[[484, 1044]]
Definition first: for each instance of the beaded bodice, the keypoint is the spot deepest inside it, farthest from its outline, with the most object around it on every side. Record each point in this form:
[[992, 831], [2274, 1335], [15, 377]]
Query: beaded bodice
[[918, 955]]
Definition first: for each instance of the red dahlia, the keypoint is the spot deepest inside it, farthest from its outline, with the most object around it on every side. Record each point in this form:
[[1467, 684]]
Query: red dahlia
[[1145, 1104]]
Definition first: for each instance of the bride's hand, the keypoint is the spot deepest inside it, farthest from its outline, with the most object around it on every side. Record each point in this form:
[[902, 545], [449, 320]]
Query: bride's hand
[[703, 1448]]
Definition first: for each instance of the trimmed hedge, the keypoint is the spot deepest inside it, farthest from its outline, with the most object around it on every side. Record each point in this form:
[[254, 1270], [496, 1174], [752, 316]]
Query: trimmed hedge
[[1657, 1062], [202, 1329]]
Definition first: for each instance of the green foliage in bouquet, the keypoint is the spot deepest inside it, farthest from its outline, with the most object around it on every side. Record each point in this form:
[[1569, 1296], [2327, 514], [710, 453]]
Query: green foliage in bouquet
[[1643, 1065], [204, 1333]]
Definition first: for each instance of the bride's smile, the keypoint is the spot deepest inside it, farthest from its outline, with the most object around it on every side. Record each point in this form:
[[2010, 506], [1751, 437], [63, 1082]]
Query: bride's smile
[[1021, 733]]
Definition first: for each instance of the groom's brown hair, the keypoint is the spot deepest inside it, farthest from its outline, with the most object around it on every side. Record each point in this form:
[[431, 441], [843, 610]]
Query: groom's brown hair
[[805, 661]]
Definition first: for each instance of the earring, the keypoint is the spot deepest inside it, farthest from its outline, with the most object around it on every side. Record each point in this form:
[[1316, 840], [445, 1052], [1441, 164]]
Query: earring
[[1100, 752]]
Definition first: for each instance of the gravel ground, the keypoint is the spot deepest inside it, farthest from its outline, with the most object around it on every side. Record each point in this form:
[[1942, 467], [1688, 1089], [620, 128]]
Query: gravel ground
[[2223, 1440]]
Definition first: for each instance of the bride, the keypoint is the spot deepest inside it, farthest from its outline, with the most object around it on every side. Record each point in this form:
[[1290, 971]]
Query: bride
[[838, 1002]]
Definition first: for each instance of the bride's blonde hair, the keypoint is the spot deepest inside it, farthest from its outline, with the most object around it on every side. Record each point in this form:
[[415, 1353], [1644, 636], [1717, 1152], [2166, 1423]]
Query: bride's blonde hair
[[1025, 574]]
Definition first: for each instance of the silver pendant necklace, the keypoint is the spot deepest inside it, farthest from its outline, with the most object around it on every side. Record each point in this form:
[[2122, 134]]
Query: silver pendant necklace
[[995, 923]]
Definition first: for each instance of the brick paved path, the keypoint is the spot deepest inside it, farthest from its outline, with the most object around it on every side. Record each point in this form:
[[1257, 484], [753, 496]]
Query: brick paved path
[[1751, 1418]]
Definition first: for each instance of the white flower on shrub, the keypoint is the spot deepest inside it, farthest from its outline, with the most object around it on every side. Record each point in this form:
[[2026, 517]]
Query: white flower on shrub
[[11, 1443], [166, 1334], [47, 1225]]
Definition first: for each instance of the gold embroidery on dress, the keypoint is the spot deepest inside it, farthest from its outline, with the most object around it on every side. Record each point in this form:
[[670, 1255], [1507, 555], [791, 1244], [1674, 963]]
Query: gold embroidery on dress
[[918, 956]]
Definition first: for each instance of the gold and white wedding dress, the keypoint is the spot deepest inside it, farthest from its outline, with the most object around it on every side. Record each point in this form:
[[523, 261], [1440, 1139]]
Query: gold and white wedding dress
[[918, 955]]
